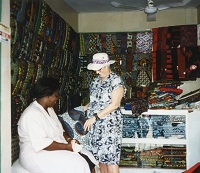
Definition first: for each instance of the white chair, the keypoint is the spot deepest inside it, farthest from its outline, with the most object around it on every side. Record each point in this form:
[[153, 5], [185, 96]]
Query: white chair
[[17, 168]]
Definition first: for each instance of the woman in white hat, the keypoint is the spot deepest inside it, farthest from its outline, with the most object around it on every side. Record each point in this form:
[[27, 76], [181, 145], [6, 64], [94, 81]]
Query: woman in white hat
[[105, 118]]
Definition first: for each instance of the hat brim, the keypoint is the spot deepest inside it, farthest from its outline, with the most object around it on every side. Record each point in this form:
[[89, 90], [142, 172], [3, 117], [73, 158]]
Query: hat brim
[[96, 67]]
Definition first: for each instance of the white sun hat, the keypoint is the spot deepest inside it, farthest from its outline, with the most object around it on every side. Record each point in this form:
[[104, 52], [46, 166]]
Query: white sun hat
[[99, 61]]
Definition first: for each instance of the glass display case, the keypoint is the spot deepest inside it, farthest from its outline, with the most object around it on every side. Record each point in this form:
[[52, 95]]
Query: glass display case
[[160, 141]]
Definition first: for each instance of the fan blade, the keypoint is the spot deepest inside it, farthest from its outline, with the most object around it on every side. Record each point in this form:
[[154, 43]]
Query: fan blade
[[151, 17], [173, 5], [118, 5]]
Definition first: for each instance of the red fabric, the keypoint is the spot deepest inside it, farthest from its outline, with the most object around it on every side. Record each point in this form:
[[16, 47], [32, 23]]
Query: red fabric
[[193, 168]]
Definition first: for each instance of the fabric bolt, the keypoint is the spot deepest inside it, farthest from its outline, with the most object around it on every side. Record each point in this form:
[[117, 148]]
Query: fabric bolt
[[108, 43], [129, 40], [123, 43], [103, 43], [162, 38], [144, 42], [106, 134], [118, 43], [128, 79], [155, 47], [123, 64], [130, 126], [38, 20], [129, 64], [118, 60], [82, 46], [143, 78], [93, 43], [113, 43], [173, 37], [181, 64]]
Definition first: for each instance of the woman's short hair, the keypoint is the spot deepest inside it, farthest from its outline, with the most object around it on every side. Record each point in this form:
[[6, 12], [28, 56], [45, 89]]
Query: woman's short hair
[[45, 86]]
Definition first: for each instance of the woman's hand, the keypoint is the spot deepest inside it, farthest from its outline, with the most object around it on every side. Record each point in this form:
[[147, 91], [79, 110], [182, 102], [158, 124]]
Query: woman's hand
[[89, 122], [74, 141]]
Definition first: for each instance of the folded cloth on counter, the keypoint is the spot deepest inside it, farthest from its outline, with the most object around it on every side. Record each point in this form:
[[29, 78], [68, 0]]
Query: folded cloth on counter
[[79, 148]]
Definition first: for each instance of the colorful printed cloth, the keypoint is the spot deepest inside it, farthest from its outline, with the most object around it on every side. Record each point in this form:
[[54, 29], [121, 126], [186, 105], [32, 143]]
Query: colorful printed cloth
[[144, 42]]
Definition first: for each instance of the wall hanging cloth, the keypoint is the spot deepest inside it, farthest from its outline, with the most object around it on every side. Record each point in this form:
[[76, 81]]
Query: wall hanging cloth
[[93, 43], [144, 42], [188, 35]]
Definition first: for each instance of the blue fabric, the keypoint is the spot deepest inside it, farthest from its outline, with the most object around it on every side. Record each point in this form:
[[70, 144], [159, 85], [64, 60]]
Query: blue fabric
[[72, 122]]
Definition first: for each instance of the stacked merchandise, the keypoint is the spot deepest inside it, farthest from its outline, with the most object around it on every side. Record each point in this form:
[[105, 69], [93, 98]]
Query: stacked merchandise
[[128, 157], [131, 156], [129, 126], [168, 126], [136, 105], [190, 100], [154, 156], [162, 95], [135, 127], [153, 126], [151, 158], [174, 157]]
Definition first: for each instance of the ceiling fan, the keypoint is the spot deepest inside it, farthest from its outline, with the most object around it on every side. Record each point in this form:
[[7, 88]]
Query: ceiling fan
[[150, 9]]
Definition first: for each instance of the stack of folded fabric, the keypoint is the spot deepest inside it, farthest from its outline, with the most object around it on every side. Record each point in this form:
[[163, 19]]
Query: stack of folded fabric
[[129, 126], [190, 99], [151, 158], [174, 157], [137, 106], [163, 95], [128, 156]]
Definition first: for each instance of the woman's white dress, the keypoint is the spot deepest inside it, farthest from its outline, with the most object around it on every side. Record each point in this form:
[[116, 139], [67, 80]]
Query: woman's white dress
[[37, 129]]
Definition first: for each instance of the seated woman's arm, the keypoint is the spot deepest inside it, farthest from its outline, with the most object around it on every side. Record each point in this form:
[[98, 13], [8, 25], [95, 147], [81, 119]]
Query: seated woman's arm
[[59, 146]]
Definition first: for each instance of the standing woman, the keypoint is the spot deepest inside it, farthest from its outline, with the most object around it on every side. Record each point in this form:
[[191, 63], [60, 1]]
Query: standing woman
[[105, 118], [44, 147]]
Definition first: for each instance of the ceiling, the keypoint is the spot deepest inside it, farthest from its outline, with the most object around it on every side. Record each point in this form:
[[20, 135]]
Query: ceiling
[[89, 6]]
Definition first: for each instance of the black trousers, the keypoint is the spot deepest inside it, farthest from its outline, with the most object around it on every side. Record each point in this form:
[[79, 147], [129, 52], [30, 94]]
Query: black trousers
[[90, 163]]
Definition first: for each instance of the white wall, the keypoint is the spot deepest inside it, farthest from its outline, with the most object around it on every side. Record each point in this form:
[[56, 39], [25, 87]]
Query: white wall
[[5, 95], [134, 21], [122, 21]]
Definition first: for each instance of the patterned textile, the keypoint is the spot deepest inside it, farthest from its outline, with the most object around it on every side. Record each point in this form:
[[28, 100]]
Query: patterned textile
[[144, 68], [173, 37], [166, 64], [93, 43], [131, 42], [138, 106], [72, 122], [82, 46], [155, 46], [118, 43], [105, 145], [144, 42], [108, 43], [123, 43], [118, 59], [188, 35], [129, 64], [143, 79]]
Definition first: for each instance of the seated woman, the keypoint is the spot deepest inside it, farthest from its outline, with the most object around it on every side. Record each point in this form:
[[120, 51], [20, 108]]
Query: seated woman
[[44, 146]]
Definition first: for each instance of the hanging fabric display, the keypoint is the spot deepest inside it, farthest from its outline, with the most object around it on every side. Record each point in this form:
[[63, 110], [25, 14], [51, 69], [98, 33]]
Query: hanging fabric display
[[144, 42]]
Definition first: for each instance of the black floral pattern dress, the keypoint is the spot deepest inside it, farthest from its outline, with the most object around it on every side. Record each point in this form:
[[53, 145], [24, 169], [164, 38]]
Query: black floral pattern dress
[[106, 134]]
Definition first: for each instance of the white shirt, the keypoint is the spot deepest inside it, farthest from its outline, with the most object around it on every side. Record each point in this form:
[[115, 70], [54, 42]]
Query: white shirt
[[37, 129]]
